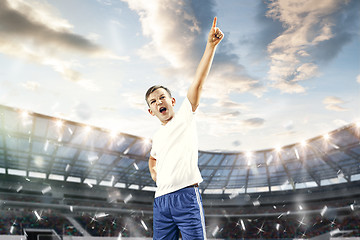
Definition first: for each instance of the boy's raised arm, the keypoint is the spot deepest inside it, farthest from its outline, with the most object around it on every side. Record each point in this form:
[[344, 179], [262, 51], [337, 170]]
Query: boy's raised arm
[[214, 38]]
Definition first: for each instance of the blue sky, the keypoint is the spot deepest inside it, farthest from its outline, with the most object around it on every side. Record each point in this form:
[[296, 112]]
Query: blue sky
[[286, 71]]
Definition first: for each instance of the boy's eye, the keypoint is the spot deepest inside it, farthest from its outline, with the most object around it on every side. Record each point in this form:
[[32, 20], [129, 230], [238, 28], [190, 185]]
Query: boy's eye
[[162, 97], [151, 102]]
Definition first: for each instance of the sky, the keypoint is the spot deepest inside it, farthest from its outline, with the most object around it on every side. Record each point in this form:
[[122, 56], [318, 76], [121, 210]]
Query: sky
[[285, 72]]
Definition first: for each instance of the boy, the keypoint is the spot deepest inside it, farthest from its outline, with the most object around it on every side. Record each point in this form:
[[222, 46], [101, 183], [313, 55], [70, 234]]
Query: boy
[[173, 161]]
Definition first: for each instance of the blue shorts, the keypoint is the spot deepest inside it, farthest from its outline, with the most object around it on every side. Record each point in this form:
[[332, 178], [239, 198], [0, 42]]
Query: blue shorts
[[179, 211]]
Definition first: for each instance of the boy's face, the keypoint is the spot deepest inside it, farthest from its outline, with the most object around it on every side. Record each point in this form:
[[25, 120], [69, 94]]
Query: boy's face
[[161, 105]]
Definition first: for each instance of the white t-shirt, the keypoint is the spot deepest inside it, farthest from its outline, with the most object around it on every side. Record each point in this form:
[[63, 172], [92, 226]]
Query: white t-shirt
[[175, 148]]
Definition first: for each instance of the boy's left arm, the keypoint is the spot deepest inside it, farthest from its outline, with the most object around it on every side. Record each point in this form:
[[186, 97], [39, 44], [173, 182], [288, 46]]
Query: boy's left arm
[[214, 38]]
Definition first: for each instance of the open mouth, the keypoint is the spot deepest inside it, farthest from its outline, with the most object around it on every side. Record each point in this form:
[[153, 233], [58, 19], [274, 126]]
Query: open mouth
[[162, 109]]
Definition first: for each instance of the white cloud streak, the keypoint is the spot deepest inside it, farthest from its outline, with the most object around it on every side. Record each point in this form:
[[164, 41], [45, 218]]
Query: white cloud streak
[[307, 24], [178, 35], [33, 31], [333, 103]]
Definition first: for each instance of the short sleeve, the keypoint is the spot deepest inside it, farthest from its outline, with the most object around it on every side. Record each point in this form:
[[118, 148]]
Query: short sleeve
[[186, 109], [152, 152]]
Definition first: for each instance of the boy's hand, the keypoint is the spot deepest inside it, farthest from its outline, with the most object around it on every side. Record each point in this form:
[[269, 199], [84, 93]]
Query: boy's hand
[[215, 35]]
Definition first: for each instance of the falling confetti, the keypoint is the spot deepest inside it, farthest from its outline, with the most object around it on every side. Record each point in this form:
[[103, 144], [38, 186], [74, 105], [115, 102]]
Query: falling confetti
[[119, 237], [46, 190], [269, 159], [67, 168], [144, 225], [37, 215], [256, 203], [233, 195], [46, 146], [323, 211], [71, 208], [242, 224], [333, 232], [128, 198], [277, 226], [101, 215], [215, 231], [340, 174], [126, 151], [19, 188], [297, 154], [136, 166]]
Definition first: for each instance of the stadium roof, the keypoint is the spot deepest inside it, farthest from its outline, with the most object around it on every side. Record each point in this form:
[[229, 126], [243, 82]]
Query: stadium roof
[[39, 146]]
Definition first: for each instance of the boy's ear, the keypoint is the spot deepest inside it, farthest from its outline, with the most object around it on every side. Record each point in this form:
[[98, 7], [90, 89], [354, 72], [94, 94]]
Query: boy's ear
[[173, 101], [151, 112]]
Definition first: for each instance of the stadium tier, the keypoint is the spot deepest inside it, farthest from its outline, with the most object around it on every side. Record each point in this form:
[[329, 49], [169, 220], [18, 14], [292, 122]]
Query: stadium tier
[[84, 181]]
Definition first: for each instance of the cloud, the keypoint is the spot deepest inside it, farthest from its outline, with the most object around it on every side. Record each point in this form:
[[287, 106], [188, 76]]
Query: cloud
[[178, 31], [314, 32], [289, 125], [31, 85], [229, 104], [333, 104], [236, 143], [33, 31], [358, 78], [83, 111], [135, 100], [340, 122], [253, 122]]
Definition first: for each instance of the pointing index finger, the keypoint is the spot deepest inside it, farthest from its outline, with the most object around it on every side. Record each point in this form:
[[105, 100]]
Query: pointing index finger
[[214, 22]]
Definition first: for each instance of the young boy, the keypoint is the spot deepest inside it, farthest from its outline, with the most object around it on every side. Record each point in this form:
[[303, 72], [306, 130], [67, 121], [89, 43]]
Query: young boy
[[173, 161]]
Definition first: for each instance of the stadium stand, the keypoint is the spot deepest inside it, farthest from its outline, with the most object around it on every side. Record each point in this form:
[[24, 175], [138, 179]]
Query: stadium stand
[[89, 184]]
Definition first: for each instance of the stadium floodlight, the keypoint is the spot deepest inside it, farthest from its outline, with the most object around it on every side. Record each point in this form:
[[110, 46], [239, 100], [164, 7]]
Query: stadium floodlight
[[303, 143], [326, 136], [24, 114], [59, 123], [278, 149], [113, 134], [146, 141], [249, 154], [87, 129]]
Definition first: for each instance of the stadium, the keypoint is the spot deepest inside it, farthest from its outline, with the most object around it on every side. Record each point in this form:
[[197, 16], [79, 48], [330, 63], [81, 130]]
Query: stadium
[[67, 180], [273, 151]]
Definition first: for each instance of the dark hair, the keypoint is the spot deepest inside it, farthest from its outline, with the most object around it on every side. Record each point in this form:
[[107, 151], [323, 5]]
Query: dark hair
[[153, 89]]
